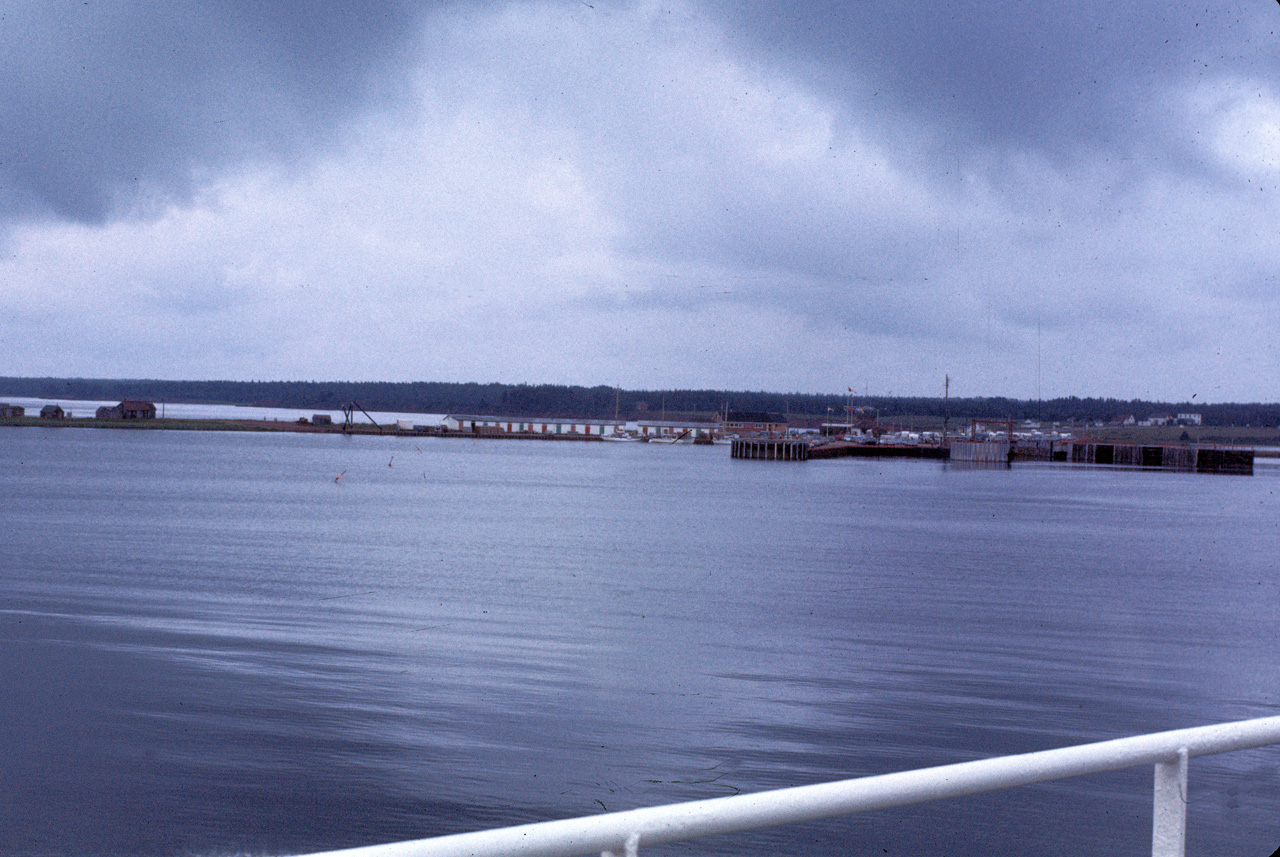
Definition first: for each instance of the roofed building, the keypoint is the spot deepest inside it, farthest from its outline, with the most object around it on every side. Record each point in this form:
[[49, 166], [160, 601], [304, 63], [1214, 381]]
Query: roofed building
[[129, 409], [135, 409], [690, 429], [752, 421], [526, 425]]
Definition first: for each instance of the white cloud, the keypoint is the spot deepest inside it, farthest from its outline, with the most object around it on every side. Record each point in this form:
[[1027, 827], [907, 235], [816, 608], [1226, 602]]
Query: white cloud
[[1242, 118]]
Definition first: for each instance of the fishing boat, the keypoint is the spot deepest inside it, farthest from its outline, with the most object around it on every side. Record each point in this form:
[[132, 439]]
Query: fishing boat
[[685, 436], [619, 433]]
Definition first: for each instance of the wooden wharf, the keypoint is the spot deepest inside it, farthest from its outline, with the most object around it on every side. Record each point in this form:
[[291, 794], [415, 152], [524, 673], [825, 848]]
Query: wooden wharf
[[846, 449], [769, 449], [1202, 459], [981, 451]]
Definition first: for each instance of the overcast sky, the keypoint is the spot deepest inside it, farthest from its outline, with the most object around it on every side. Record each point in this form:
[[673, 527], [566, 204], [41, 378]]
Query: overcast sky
[[1033, 198]]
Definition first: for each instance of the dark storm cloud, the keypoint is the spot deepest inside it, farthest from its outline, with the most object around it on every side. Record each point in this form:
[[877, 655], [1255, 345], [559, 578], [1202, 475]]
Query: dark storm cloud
[[1053, 76], [105, 101]]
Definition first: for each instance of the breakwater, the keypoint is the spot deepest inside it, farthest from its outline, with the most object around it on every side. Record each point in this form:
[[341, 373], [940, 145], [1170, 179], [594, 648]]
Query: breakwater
[[845, 449], [295, 426], [1203, 459]]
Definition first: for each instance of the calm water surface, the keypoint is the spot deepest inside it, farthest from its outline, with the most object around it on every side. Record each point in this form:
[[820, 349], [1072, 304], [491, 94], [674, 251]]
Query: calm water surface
[[210, 646]]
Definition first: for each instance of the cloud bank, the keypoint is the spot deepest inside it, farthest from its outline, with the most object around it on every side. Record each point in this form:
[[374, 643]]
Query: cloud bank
[[652, 195]]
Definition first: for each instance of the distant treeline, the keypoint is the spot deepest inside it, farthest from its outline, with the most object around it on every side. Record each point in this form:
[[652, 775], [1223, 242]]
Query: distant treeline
[[549, 400]]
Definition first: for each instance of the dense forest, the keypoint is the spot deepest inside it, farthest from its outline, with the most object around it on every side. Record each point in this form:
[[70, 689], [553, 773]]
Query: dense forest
[[548, 400]]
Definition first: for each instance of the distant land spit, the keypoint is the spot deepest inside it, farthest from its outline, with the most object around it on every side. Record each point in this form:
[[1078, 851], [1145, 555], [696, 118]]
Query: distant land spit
[[601, 402]]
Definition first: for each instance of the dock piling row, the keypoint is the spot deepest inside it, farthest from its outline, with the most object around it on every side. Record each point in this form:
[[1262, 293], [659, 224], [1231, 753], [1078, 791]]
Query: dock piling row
[[768, 449]]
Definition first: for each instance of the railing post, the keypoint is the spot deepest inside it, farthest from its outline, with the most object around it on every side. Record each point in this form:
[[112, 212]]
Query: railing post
[[1169, 808], [630, 849]]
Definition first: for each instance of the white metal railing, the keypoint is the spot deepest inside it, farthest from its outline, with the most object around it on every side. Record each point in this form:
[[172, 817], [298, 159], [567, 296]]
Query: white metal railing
[[619, 833]]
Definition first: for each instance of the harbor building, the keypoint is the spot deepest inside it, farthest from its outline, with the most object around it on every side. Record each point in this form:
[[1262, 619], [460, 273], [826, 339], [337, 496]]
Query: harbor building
[[129, 409], [527, 425], [691, 429], [749, 422]]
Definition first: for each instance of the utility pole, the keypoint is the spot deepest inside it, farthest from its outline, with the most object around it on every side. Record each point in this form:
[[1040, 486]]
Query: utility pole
[[946, 407]]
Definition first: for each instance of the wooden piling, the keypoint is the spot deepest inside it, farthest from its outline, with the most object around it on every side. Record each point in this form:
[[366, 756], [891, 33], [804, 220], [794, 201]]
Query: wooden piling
[[769, 449]]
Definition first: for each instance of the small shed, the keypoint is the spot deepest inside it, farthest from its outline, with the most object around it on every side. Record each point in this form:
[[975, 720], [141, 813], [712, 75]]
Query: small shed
[[109, 412], [8, 410], [52, 412], [321, 420]]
